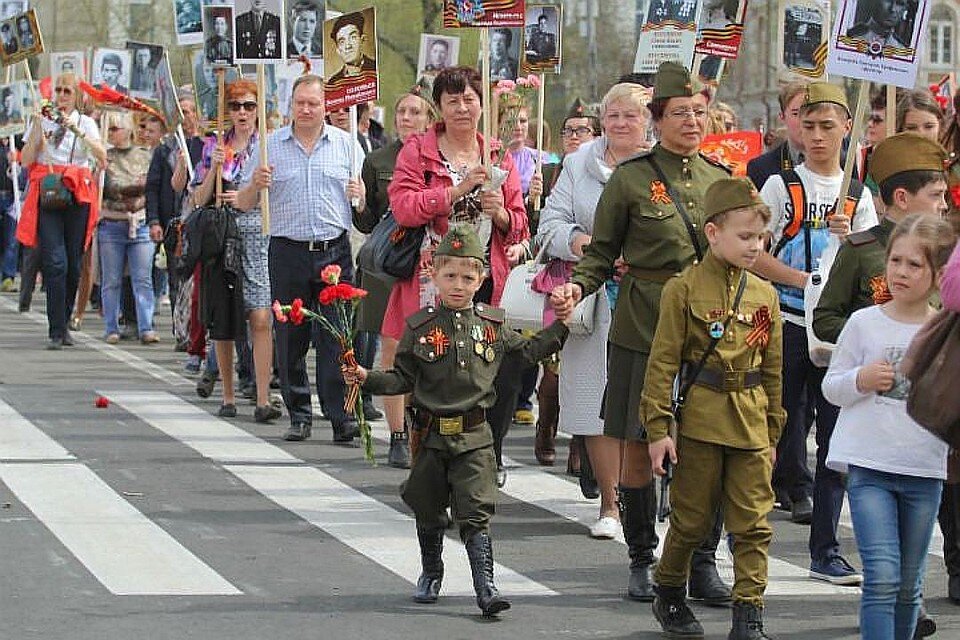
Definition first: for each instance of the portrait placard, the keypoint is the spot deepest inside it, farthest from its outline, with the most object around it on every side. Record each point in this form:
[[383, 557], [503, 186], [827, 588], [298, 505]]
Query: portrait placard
[[258, 31], [286, 74], [459, 14], [350, 66], [20, 38], [145, 58], [669, 33], [304, 25], [804, 28], [74, 62], [187, 22], [205, 85], [506, 44], [16, 103], [437, 53], [709, 68], [720, 28], [879, 40], [249, 71], [166, 91], [542, 37], [111, 68], [218, 35], [11, 8]]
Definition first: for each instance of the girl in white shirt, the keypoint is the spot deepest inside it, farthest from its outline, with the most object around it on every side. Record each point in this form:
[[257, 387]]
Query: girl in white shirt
[[895, 468]]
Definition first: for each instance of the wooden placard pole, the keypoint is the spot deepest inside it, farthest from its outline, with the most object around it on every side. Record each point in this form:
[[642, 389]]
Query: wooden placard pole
[[262, 139], [220, 91], [540, 103], [182, 140], [863, 101], [33, 90], [891, 109], [487, 106], [354, 171]]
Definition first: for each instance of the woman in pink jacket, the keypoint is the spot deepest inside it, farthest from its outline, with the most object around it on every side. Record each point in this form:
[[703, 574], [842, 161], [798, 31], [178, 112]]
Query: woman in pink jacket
[[437, 182]]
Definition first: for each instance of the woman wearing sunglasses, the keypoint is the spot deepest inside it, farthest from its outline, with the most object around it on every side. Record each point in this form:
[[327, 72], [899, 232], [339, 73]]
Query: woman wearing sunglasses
[[232, 156], [61, 226]]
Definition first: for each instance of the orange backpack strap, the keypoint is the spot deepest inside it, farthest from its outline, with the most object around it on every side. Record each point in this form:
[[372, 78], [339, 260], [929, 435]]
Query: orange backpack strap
[[798, 200]]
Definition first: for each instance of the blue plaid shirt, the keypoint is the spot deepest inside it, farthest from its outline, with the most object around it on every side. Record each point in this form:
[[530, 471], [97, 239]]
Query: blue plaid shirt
[[308, 199]]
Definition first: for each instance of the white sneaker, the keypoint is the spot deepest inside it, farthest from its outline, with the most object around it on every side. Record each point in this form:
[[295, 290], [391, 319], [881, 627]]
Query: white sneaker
[[605, 528]]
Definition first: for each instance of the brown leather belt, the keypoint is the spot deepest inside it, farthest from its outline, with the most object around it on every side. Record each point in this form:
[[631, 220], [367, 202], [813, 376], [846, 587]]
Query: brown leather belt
[[651, 275], [724, 381], [453, 425]]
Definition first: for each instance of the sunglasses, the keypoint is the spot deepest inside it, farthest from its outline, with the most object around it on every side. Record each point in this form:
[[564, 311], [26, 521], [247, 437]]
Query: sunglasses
[[66, 90], [249, 107]]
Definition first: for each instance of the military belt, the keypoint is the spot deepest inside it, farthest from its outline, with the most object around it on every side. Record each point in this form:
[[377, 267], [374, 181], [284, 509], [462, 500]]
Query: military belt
[[652, 275], [729, 380], [454, 425]]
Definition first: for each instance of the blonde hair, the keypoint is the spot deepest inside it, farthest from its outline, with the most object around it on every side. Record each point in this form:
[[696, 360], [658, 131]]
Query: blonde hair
[[633, 94], [122, 119], [935, 235], [440, 261]]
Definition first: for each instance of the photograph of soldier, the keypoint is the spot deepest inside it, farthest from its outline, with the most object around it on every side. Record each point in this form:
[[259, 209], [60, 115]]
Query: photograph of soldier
[[20, 37], [890, 22], [111, 68], [187, 21], [167, 94], [143, 73], [679, 11], [8, 39], [355, 52], [67, 62], [25, 32], [218, 39], [304, 37], [504, 53], [802, 33], [258, 30], [10, 8], [542, 35], [205, 84], [437, 53], [9, 109]]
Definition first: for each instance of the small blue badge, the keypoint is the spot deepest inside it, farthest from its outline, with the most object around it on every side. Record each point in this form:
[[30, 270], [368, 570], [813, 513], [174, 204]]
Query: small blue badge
[[716, 330]]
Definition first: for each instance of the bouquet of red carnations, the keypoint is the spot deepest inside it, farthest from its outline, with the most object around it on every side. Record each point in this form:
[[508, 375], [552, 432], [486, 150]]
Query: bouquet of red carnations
[[342, 298]]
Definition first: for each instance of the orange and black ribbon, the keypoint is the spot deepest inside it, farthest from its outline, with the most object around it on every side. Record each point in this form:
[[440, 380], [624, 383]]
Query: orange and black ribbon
[[760, 335]]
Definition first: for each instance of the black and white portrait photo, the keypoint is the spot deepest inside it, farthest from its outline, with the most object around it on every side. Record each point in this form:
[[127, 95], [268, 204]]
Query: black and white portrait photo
[[167, 94], [542, 34], [678, 11], [218, 35], [20, 38], [437, 53], [802, 34], [143, 70], [355, 48], [68, 62], [304, 28], [205, 85], [889, 22], [111, 68], [258, 30], [504, 53], [187, 22]]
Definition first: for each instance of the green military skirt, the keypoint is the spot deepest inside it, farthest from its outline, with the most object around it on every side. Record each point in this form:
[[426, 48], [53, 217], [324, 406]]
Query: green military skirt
[[626, 370]]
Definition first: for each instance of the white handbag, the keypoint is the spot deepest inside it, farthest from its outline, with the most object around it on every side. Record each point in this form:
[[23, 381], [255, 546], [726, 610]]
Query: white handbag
[[524, 306]]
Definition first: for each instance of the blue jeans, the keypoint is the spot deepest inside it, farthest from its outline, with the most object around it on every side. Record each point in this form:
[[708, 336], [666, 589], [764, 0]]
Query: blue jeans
[[117, 248], [893, 518], [8, 244], [61, 235]]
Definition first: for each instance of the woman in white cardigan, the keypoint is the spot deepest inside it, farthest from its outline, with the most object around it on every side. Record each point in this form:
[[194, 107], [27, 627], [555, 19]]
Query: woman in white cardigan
[[566, 225]]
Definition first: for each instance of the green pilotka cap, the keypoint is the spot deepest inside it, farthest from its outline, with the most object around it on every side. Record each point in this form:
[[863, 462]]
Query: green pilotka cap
[[728, 194], [820, 92], [461, 241], [673, 81], [906, 152]]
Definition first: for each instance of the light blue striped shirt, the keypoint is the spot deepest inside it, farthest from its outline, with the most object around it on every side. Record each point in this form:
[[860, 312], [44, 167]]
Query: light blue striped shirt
[[308, 199]]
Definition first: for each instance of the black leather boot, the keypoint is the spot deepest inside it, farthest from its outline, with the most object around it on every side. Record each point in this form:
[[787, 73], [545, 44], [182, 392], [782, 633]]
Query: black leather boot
[[926, 626], [431, 558], [705, 584], [638, 512], [480, 552], [747, 623], [675, 617]]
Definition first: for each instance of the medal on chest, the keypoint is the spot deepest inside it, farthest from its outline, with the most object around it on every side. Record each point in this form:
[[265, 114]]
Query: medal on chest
[[716, 330]]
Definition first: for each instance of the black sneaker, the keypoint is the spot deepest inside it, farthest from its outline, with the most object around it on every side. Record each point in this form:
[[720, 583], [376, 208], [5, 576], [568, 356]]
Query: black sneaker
[[675, 617], [346, 431], [296, 432], [206, 384], [801, 511], [266, 413], [227, 411], [67, 339]]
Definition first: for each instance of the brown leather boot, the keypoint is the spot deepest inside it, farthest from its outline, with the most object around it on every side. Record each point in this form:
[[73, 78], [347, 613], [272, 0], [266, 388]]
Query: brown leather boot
[[548, 398]]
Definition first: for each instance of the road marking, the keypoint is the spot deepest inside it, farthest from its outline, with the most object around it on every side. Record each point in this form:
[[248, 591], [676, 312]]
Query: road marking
[[382, 534], [21, 440], [122, 548]]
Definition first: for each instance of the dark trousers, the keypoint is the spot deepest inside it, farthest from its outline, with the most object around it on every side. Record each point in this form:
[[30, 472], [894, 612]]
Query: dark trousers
[[62, 235], [528, 384], [29, 267], [949, 518], [295, 273], [507, 386]]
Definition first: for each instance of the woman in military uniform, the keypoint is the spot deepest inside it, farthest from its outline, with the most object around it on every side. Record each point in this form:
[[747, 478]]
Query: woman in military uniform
[[413, 113], [651, 214]]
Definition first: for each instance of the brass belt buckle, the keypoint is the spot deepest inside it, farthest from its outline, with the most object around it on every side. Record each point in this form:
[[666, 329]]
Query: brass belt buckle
[[451, 426]]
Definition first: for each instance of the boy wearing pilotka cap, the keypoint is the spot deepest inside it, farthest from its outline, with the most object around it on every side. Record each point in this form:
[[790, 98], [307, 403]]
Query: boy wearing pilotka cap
[[719, 330]]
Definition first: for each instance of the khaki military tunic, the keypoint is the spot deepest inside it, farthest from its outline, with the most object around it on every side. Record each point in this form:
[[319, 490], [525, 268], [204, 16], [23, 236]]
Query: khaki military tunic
[[725, 436], [857, 280], [448, 359]]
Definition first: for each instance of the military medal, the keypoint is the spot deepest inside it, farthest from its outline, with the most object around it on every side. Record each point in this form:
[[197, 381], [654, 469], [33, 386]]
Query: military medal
[[439, 340], [489, 354], [716, 330], [478, 348], [658, 193], [760, 335], [476, 332]]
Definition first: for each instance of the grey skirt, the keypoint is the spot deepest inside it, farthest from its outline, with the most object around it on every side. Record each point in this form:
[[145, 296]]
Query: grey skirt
[[626, 370], [256, 273]]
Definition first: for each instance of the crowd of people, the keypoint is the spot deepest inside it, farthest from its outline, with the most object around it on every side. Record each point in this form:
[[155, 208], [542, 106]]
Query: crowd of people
[[628, 205]]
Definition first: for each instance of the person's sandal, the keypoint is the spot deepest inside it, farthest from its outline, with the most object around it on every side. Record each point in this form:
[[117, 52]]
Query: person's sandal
[[227, 411]]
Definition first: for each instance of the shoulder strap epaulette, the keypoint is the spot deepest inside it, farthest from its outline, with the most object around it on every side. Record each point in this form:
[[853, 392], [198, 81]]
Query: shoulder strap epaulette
[[421, 317], [716, 163], [492, 314], [862, 238], [637, 156]]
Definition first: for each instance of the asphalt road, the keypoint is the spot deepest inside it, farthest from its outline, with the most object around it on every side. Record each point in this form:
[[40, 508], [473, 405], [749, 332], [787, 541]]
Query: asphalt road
[[153, 518]]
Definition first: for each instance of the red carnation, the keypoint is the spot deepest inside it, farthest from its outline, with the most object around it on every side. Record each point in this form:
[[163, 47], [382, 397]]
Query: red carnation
[[328, 296], [296, 311], [955, 196], [278, 312]]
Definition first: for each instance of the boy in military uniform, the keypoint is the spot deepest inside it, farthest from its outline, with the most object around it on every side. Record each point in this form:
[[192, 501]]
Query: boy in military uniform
[[719, 326], [448, 358], [909, 171]]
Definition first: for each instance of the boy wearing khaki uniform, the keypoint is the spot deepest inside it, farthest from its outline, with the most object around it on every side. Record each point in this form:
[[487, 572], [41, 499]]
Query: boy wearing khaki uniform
[[728, 430]]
